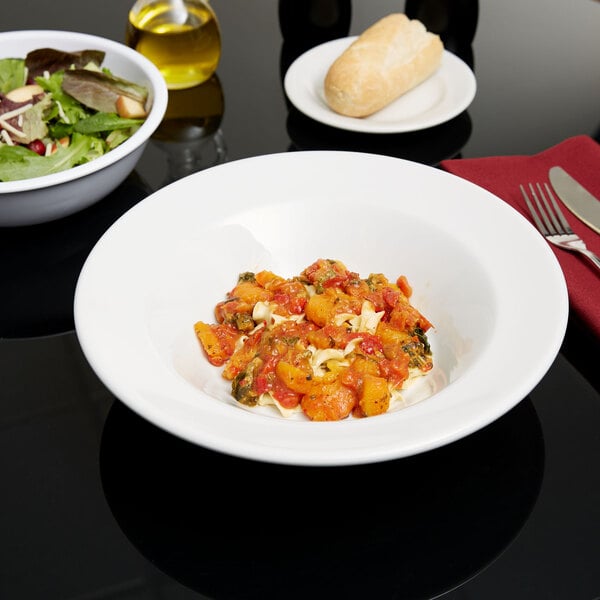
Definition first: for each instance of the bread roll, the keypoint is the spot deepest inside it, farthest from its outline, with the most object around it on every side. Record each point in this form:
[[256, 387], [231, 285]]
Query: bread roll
[[388, 59]]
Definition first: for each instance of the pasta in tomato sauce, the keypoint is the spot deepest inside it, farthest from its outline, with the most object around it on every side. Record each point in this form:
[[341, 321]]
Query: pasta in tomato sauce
[[327, 342]]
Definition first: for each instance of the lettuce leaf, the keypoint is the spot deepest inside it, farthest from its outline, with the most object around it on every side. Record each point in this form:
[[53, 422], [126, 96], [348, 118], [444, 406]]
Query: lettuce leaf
[[99, 90], [34, 125], [12, 74], [51, 60], [71, 108], [18, 162], [118, 136]]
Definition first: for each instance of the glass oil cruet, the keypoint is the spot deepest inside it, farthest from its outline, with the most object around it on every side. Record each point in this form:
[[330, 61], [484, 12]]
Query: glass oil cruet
[[181, 37]]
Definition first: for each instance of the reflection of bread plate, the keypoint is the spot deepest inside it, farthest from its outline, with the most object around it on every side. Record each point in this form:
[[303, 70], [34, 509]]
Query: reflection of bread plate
[[428, 146], [387, 60]]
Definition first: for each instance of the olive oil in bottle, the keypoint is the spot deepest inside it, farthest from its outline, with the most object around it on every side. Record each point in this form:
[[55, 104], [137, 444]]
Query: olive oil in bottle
[[181, 37]]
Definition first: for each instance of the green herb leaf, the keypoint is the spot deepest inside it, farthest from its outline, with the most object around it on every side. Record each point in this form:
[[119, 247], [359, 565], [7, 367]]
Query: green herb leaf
[[104, 122]]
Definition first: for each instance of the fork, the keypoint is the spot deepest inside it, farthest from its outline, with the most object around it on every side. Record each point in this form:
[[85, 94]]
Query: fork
[[552, 223]]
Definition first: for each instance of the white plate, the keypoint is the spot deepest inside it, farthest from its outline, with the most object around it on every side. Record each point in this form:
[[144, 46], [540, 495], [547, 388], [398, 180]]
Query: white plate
[[468, 255], [447, 93]]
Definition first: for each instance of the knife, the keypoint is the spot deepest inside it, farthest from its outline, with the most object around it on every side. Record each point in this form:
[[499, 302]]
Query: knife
[[577, 199]]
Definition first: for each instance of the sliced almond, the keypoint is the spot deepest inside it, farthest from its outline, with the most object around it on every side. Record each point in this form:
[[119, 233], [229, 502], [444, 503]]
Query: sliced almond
[[24, 93], [52, 147], [128, 108]]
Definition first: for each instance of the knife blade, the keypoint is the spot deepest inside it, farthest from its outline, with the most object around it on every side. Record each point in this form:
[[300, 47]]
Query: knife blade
[[576, 198]]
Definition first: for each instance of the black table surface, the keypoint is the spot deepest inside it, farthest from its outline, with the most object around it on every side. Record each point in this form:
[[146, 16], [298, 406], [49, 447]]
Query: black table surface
[[95, 502]]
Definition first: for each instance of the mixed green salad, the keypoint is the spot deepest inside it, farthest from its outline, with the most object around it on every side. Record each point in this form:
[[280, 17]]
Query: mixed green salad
[[60, 109]]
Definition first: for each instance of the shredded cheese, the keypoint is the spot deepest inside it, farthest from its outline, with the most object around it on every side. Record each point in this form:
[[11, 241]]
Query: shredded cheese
[[17, 111], [7, 140], [8, 127], [61, 112]]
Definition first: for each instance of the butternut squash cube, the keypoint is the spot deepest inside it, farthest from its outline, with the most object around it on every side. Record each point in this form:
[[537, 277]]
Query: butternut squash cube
[[374, 397]]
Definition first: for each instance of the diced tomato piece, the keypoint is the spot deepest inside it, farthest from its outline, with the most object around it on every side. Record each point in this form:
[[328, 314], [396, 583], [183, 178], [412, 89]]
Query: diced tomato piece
[[327, 273], [402, 283], [286, 397], [390, 296], [406, 317], [263, 383], [351, 378], [395, 370], [369, 344]]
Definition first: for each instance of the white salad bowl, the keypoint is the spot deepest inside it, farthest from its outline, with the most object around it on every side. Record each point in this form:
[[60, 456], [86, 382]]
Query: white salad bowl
[[51, 197]]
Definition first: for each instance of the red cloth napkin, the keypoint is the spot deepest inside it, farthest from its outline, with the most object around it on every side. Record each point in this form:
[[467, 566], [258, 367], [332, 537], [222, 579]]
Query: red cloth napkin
[[501, 175]]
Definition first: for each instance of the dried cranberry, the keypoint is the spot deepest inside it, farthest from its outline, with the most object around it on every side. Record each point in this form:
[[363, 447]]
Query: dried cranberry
[[38, 147]]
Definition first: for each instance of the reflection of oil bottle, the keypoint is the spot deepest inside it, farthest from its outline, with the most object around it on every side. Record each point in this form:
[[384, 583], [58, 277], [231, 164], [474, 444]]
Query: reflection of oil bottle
[[190, 133], [181, 37]]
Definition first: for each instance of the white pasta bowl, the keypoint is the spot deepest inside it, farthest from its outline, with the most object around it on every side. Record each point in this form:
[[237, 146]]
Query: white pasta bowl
[[467, 254], [51, 197]]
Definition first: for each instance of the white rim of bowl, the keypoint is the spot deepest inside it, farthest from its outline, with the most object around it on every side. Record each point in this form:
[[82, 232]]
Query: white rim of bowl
[[160, 96]]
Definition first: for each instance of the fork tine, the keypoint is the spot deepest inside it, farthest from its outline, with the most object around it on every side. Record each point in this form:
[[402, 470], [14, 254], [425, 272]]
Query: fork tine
[[536, 219], [558, 211], [551, 214], [549, 225]]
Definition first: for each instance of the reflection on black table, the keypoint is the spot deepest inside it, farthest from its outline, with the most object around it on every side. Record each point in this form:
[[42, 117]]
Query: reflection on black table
[[429, 146], [190, 134], [40, 264], [235, 529]]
